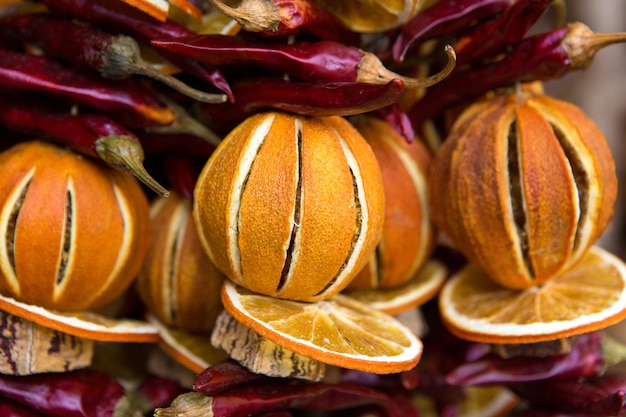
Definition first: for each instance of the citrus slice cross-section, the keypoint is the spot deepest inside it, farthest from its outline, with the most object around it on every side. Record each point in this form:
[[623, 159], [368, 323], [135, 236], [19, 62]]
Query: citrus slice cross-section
[[590, 296], [83, 324], [338, 331], [372, 15], [421, 288], [192, 350]]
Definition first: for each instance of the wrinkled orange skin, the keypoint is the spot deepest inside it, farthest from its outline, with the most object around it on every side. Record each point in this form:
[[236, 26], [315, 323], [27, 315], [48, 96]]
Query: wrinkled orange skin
[[265, 223], [408, 233], [471, 200], [102, 236], [178, 283]]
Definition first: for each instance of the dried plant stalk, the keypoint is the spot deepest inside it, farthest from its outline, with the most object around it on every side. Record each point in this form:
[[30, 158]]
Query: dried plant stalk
[[29, 348], [259, 354]]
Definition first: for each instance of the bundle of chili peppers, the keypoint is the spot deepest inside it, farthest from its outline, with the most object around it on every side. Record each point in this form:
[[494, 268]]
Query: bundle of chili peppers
[[73, 72]]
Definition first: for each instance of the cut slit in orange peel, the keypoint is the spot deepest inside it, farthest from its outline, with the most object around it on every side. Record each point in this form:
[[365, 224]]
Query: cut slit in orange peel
[[83, 324], [338, 331], [590, 296]]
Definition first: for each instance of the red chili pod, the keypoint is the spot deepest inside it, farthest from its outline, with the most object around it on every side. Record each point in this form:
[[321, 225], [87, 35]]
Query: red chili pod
[[131, 101]]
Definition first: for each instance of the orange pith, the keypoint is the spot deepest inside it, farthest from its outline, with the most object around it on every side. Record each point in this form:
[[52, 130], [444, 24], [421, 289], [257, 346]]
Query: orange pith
[[339, 331], [290, 206], [178, 283], [75, 231], [424, 285], [192, 350], [523, 185], [408, 234], [83, 324], [588, 297]]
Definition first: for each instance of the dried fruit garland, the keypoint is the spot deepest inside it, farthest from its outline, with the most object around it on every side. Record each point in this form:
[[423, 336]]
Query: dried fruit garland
[[295, 49]]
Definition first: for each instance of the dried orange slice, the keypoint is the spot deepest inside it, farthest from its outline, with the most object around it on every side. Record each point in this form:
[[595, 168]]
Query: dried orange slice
[[192, 350], [372, 15], [84, 324], [590, 296], [424, 285], [338, 331]]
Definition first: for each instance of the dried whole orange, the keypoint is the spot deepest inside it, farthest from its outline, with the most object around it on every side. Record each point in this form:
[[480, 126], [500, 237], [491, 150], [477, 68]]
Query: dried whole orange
[[523, 186], [178, 283], [408, 233], [290, 206], [75, 230]]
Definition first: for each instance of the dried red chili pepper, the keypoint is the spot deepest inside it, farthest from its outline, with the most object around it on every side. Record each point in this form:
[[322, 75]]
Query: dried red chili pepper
[[325, 61], [117, 16], [397, 117], [445, 18], [93, 135], [584, 359], [182, 172], [133, 103], [156, 391], [603, 395], [176, 144], [9, 408], [82, 393], [492, 37], [223, 376], [114, 57], [247, 400], [309, 99], [541, 57]]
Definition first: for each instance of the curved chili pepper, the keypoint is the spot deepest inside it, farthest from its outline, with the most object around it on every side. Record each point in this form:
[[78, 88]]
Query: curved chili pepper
[[250, 399], [9, 408], [309, 99], [117, 16], [182, 172], [444, 18], [133, 102], [490, 38], [114, 57], [541, 57], [82, 393], [325, 61], [585, 359], [224, 376], [88, 134], [603, 395]]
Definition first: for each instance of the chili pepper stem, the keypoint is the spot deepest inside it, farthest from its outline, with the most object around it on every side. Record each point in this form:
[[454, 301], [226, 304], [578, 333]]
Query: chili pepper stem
[[123, 58], [372, 70], [581, 43], [125, 153], [252, 15], [185, 123], [191, 404]]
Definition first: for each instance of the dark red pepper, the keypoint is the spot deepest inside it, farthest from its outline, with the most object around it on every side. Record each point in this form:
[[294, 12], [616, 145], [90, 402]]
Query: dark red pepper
[[10, 408], [82, 393], [287, 394], [486, 40], [324, 61], [181, 172], [156, 391], [176, 144], [584, 359], [93, 135], [603, 395], [397, 117], [117, 16], [444, 18], [540, 57], [224, 376], [132, 102], [309, 99], [113, 56]]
